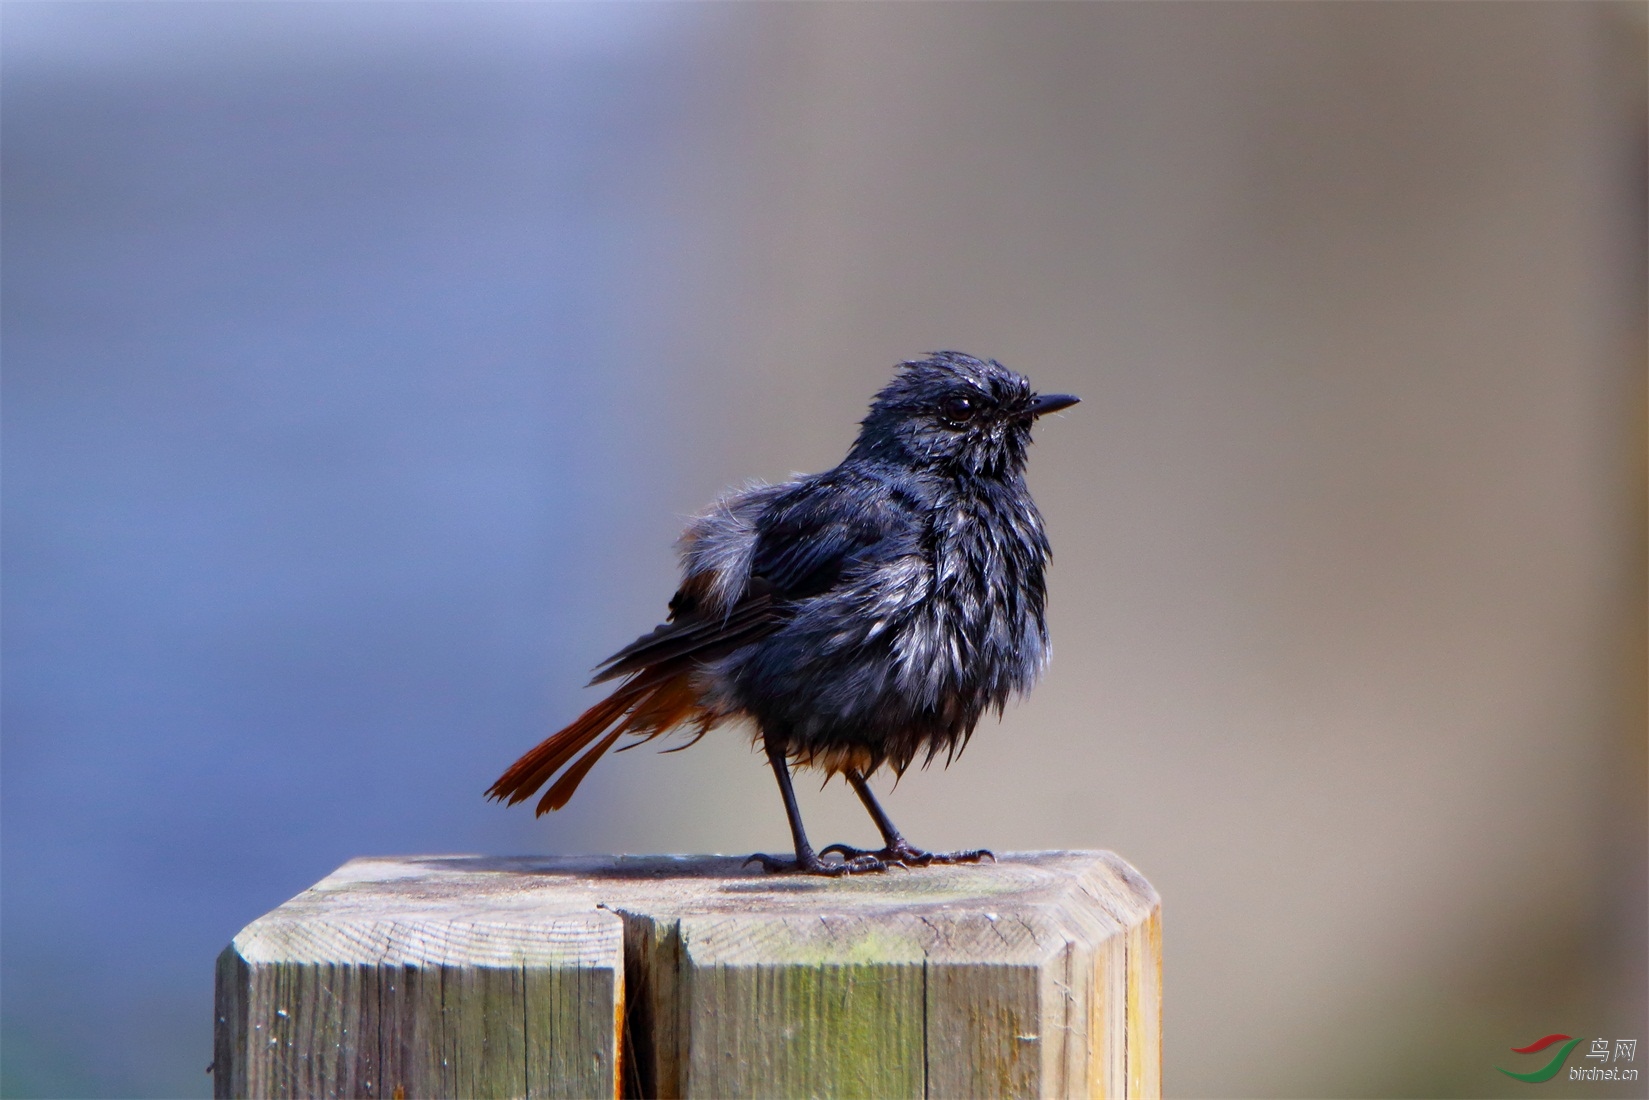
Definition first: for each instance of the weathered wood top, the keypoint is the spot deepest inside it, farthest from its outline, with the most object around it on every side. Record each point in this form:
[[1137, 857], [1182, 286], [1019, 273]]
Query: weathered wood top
[[1038, 974], [494, 895]]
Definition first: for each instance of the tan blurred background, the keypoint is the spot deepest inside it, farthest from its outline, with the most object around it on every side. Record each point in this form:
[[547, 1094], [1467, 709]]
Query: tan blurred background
[[1348, 598], [363, 359]]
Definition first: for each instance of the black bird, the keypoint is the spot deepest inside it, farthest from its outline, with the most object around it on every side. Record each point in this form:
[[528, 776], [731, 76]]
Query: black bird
[[860, 617]]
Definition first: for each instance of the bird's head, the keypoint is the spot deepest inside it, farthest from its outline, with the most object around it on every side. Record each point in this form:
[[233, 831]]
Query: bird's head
[[952, 410]]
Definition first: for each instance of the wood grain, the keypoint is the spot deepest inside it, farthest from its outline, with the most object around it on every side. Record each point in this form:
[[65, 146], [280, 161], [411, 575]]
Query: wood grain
[[1039, 975]]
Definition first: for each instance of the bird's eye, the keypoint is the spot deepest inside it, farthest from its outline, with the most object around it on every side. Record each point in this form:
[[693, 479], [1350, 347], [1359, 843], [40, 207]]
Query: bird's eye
[[958, 408]]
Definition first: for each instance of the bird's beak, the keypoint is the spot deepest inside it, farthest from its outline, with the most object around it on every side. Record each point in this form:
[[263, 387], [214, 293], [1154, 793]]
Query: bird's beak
[[1052, 402]]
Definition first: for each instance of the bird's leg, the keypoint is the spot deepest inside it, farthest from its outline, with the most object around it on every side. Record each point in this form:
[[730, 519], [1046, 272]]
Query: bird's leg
[[807, 861], [896, 848]]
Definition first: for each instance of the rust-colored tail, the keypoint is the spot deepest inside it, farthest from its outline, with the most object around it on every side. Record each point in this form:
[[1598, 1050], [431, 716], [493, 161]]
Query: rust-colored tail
[[645, 706]]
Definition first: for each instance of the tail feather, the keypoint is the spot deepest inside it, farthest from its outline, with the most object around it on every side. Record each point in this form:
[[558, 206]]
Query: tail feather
[[534, 769], [646, 706], [557, 796]]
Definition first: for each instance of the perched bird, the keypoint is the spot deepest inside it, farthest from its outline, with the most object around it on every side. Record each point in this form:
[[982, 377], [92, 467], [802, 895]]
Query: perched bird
[[860, 617]]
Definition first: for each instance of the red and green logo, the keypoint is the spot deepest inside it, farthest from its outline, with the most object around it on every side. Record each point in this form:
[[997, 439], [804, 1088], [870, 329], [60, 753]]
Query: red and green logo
[[1549, 1070]]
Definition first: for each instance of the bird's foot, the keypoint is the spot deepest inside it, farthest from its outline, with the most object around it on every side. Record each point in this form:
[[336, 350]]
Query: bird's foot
[[808, 863], [903, 854]]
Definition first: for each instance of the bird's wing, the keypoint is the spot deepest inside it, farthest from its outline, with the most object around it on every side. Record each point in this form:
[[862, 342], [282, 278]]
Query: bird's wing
[[804, 541], [694, 636]]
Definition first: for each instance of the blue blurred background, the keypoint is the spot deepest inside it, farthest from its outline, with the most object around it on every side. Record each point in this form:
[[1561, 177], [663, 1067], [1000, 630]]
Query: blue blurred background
[[361, 361]]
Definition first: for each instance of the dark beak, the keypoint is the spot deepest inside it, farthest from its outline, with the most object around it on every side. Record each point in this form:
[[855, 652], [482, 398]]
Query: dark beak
[[1052, 402]]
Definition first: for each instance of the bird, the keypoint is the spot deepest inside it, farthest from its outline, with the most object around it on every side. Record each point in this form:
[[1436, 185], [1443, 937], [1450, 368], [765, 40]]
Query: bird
[[860, 618]]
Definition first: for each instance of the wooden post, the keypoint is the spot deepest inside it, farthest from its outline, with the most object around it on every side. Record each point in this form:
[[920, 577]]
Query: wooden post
[[466, 976]]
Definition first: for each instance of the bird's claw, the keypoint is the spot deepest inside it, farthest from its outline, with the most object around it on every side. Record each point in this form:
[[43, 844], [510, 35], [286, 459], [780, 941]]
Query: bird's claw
[[972, 855], [907, 857], [812, 864], [903, 854]]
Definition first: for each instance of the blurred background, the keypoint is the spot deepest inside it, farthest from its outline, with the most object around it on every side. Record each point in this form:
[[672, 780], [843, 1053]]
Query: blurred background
[[363, 360]]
